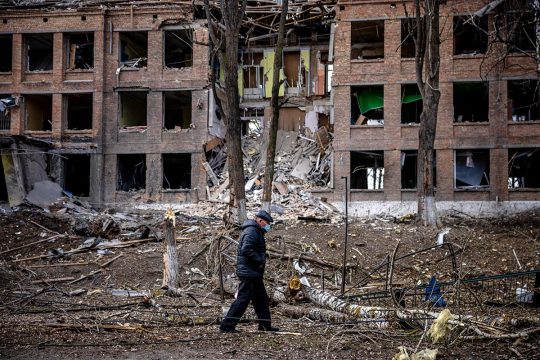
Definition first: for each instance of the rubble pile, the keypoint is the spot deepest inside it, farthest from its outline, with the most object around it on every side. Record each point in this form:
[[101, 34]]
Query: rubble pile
[[303, 163]]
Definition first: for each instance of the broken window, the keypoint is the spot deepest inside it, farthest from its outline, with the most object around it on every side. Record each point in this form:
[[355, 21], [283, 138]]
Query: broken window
[[38, 112], [411, 104], [134, 49], [470, 35], [367, 40], [253, 76], [77, 174], [131, 172], [409, 169], [367, 170], [523, 103], [523, 165], [471, 169], [176, 171], [367, 105], [132, 109], [79, 111], [80, 50], [408, 32], [6, 102], [39, 52], [178, 48], [177, 108], [471, 101], [6, 44], [521, 32]]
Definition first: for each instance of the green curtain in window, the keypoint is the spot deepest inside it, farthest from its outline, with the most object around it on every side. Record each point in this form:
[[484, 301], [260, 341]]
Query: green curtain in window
[[370, 99], [409, 96]]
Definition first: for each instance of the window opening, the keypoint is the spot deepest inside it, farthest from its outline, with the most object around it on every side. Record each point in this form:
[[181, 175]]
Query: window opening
[[408, 32], [179, 48], [523, 165], [134, 49], [6, 55], [523, 103], [177, 106], [131, 172], [522, 32], [6, 103], [411, 104], [39, 52], [38, 112], [80, 49], [176, 171], [367, 170], [367, 40], [253, 76], [77, 174], [472, 169], [79, 111], [471, 102], [367, 105], [470, 35], [133, 109]]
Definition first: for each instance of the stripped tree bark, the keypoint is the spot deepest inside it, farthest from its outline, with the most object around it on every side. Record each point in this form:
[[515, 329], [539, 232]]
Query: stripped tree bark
[[170, 258]]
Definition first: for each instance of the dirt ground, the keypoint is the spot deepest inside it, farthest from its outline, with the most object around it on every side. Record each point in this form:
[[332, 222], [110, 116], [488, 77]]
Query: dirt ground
[[47, 314]]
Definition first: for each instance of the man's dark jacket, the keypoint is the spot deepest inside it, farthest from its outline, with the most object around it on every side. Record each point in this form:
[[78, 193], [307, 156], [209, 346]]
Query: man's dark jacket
[[251, 254]]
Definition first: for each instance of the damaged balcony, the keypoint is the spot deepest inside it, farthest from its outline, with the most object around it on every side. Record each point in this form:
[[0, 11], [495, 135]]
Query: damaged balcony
[[523, 103], [80, 51], [39, 52], [76, 174], [133, 49], [367, 40], [178, 52], [367, 105], [367, 170], [471, 102], [177, 110], [79, 112], [523, 165], [176, 172], [471, 169], [470, 35], [38, 112], [131, 170], [132, 111], [6, 44]]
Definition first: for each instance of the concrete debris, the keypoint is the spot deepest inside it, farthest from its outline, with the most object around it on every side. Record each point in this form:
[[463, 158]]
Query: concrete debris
[[44, 194]]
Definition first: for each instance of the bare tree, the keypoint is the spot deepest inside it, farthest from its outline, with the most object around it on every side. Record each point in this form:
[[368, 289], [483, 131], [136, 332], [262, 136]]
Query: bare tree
[[272, 133], [427, 61], [224, 34]]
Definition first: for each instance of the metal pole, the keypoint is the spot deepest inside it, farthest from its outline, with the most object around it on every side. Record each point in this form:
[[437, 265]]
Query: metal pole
[[346, 235]]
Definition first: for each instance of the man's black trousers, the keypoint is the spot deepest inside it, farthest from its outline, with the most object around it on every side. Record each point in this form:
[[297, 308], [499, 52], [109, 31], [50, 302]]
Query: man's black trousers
[[250, 289]]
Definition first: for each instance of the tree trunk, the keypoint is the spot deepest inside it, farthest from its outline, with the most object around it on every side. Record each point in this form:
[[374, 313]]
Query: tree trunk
[[170, 258], [427, 61], [273, 128], [313, 313]]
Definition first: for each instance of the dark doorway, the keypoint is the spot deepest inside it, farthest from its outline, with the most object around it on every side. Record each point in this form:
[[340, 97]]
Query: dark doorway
[[77, 174]]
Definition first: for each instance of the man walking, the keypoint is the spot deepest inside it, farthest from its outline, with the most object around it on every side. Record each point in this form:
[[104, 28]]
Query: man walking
[[250, 262]]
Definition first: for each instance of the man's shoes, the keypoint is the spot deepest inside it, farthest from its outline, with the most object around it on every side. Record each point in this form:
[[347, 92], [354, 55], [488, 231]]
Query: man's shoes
[[228, 330], [268, 328]]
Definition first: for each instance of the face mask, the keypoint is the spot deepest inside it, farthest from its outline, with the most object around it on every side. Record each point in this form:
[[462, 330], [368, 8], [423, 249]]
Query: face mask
[[266, 228]]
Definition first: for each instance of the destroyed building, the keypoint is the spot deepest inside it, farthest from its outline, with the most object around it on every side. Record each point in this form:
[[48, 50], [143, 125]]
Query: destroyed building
[[117, 92]]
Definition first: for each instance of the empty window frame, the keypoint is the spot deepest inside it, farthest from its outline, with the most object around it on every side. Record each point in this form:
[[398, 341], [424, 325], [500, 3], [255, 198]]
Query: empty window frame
[[409, 169], [471, 169], [134, 49], [367, 105], [253, 75], [77, 174], [80, 50], [178, 48], [470, 35], [177, 109], [132, 109], [38, 112], [523, 103], [295, 69], [176, 171], [79, 111], [6, 44], [367, 170], [523, 165], [521, 32], [408, 32], [411, 104], [471, 101], [39, 52], [6, 103], [367, 40], [131, 170]]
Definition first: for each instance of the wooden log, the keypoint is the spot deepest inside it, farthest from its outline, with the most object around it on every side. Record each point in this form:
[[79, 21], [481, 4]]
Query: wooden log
[[48, 281], [32, 243], [313, 313], [170, 257]]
